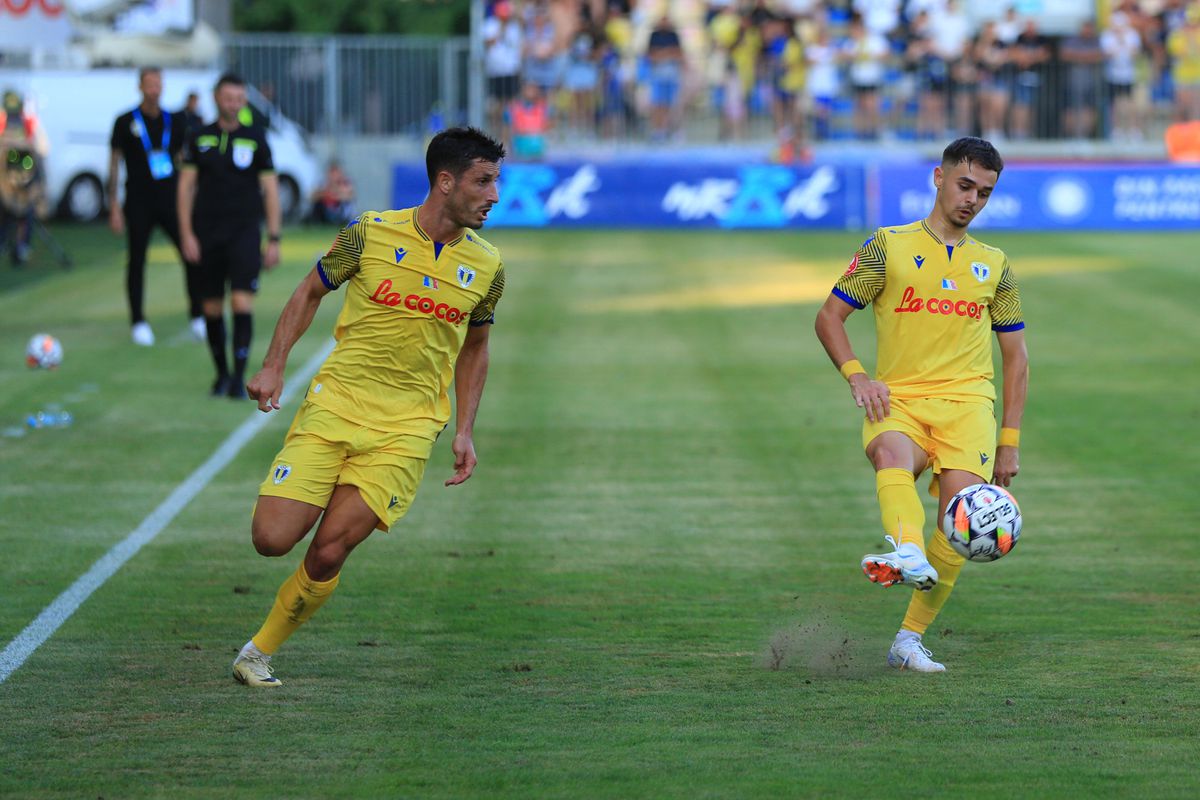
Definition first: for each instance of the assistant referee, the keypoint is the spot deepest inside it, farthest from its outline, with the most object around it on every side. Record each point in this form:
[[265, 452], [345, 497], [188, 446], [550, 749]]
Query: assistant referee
[[227, 179]]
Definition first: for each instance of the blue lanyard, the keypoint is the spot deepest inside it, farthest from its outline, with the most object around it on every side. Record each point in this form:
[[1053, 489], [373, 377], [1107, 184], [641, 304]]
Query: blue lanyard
[[166, 137]]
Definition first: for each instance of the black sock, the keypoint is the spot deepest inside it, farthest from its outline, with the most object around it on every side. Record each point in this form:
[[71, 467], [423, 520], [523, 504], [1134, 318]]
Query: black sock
[[216, 343], [243, 331]]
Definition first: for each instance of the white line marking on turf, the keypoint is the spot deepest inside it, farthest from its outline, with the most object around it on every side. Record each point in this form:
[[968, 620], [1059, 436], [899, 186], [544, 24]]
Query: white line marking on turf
[[67, 603]]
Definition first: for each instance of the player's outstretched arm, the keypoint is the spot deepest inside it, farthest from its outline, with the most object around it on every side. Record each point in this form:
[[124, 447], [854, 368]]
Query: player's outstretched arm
[[871, 396], [470, 373], [1015, 358], [294, 320]]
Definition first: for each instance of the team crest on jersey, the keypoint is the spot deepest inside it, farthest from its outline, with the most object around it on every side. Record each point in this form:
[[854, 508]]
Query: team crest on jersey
[[281, 473], [242, 156], [465, 275], [980, 270]]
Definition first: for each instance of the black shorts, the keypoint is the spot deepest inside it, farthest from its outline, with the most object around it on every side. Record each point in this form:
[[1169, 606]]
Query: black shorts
[[503, 87], [229, 254], [1120, 89]]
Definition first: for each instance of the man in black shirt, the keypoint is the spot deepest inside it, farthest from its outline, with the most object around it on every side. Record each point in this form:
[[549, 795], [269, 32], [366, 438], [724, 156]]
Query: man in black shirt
[[226, 180], [148, 138]]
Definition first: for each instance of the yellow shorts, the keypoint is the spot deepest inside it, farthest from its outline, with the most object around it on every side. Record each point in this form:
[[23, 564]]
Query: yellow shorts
[[322, 451], [955, 434]]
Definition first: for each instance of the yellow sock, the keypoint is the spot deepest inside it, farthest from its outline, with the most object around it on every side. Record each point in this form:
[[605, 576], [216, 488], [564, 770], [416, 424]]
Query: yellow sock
[[900, 506], [924, 606], [298, 599]]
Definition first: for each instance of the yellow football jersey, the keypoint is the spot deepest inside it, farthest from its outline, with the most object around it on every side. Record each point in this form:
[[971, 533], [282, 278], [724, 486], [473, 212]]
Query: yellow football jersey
[[408, 304], [935, 308]]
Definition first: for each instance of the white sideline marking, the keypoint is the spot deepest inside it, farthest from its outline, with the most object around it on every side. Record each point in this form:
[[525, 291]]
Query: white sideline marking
[[67, 603]]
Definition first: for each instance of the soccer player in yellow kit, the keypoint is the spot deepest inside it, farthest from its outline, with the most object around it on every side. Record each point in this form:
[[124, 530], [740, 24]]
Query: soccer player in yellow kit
[[421, 293], [936, 291]]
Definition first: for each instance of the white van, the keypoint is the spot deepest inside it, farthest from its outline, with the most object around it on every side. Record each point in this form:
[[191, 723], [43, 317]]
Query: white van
[[77, 109]]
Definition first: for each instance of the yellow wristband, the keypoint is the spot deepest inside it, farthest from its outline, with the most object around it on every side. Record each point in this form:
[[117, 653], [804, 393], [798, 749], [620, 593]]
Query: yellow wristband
[[851, 367], [1010, 437]]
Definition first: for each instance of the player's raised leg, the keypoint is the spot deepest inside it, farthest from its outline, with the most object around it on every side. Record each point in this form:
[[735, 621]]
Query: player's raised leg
[[346, 523], [898, 460]]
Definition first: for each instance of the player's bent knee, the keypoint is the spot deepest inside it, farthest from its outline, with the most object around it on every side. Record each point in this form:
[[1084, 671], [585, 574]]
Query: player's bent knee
[[280, 523]]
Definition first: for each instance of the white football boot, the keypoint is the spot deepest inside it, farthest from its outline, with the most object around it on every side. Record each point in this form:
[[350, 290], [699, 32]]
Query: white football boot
[[142, 334], [906, 564], [909, 653], [253, 667]]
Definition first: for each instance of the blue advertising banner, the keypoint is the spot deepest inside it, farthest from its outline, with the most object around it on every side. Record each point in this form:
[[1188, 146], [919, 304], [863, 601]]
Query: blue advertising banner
[[1057, 197], [670, 195]]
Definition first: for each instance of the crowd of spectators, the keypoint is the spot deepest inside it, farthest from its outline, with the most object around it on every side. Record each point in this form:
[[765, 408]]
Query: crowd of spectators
[[809, 70]]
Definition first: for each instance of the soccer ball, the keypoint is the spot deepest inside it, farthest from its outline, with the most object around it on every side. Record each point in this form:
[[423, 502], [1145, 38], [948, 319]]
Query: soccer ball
[[43, 351], [982, 522]]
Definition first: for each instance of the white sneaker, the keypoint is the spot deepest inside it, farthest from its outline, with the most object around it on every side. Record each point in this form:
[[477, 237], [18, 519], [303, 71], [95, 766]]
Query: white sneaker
[[199, 329], [142, 334], [909, 653], [253, 667], [906, 564]]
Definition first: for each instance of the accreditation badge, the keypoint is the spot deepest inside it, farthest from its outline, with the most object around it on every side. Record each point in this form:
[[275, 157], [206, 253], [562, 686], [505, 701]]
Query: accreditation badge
[[161, 165]]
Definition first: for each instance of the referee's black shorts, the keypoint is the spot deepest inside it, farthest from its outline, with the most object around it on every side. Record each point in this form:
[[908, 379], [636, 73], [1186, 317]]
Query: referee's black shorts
[[230, 254]]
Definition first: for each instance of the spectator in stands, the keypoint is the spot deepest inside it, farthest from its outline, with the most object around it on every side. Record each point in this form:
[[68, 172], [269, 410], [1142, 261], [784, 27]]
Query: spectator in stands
[[529, 119], [879, 17], [824, 82], [1122, 47], [785, 66], [1183, 44], [866, 51], [932, 78], [503, 40], [333, 200], [1083, 58], [1009, 27], [664, 56], [1030, 54], [581, 79], [543, 59], [951, 33], [994, 61]]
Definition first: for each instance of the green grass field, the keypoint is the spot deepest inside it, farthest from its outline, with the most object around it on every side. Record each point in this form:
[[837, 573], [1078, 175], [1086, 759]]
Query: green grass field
[[650, 588]]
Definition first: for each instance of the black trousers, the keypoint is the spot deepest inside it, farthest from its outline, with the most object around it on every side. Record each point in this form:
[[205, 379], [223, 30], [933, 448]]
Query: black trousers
[[142, 215]]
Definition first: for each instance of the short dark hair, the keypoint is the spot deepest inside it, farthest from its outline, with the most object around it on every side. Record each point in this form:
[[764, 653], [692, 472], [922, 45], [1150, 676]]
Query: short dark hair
[[150, 70], [456, 149], [973, 150], [229, 79]]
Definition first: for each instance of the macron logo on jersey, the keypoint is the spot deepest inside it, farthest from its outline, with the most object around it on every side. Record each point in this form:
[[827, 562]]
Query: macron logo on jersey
[[919, 261], [983, 458], [400, 254]]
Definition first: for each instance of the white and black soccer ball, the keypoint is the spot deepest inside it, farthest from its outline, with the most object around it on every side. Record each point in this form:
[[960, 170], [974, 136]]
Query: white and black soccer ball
[[982, 522], [43, 351]]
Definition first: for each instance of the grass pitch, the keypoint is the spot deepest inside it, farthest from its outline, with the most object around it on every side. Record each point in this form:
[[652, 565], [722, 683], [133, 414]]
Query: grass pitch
[[650, 588]]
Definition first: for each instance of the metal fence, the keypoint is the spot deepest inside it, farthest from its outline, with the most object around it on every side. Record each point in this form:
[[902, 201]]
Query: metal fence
[[348, 87]]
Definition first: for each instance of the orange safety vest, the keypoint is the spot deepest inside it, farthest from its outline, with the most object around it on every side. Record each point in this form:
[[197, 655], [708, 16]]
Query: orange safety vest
[[29, 122], [528, 119], [1183, 141]]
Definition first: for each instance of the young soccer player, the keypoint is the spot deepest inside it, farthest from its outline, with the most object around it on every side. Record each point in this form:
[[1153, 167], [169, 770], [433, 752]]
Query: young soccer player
[[936, 291], [422, 289]]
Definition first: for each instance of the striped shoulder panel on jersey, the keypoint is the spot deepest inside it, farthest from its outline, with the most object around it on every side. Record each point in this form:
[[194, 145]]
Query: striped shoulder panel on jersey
[[342, 261], [485, 312]]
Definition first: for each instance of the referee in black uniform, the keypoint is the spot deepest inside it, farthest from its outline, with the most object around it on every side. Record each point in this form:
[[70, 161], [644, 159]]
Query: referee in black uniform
[[226, 180], [149, 139]]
